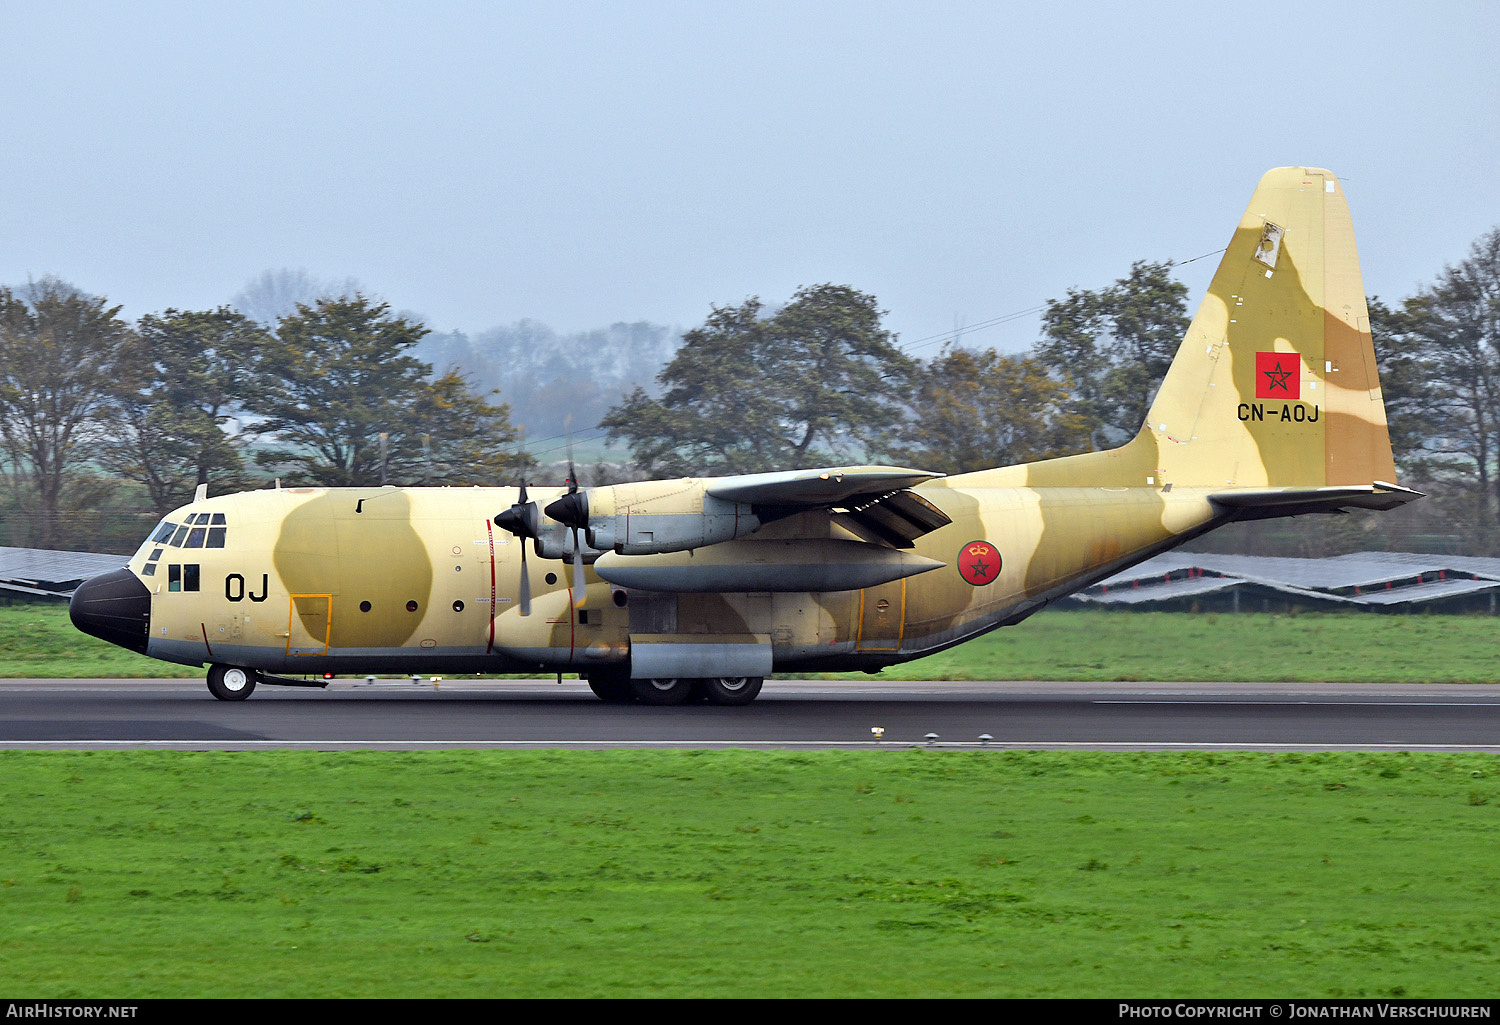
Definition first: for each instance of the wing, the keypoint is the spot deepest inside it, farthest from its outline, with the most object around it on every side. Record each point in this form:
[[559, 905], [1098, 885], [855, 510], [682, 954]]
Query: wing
[[821, 487], [871, 502]]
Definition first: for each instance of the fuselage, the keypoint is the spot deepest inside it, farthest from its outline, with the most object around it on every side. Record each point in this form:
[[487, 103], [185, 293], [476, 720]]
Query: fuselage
[[384, 580]]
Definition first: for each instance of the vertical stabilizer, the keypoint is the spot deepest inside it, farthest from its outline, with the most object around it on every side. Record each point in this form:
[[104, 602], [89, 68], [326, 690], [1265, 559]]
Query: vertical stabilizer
[[1275, 383]]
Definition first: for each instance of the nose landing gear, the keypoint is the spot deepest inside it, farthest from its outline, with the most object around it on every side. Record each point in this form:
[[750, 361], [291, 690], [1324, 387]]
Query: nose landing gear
[[231, 683]]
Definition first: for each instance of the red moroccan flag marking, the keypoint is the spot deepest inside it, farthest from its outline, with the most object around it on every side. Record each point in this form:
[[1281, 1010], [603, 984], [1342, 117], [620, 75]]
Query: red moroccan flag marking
[[1278, 375]]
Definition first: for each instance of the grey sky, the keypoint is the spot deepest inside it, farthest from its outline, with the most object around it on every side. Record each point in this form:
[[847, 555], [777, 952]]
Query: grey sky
[[589, 163]]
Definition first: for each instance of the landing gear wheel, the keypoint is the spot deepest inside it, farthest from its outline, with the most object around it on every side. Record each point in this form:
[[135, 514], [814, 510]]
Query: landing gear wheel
[[231, 683], [614, 690], [731, 690], [662, 691]]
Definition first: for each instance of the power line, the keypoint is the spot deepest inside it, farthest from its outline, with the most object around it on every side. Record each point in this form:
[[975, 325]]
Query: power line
[[1006, 318], [953, 334]]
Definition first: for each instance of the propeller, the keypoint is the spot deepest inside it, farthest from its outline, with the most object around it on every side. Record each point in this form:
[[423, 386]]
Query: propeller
[[572, 510], [523, 520]]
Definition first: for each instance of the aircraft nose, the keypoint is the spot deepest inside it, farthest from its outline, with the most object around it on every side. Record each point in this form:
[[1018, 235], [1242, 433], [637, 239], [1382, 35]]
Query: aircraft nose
[[115, 607]]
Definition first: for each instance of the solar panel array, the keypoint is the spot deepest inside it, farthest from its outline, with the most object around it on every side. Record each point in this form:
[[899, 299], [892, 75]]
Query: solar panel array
[[37, 571], [1371, 580]]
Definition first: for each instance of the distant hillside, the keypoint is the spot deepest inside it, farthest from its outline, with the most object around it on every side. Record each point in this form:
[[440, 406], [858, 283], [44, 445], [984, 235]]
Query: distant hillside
[[544, 375]]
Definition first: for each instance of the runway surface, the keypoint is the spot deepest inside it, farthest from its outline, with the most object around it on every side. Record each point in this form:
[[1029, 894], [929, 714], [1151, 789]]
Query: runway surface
[[393, 714]]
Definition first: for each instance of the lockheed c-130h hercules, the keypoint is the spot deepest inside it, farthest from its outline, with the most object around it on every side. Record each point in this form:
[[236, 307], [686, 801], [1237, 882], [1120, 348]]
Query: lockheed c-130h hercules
[[665, 591]]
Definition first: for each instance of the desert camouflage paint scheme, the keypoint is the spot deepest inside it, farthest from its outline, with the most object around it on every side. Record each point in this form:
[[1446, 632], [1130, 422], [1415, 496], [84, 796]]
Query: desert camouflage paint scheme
[[1272, 407]]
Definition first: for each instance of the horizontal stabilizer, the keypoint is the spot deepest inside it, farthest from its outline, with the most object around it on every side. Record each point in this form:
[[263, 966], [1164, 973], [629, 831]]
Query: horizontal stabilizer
[[1265, 503]]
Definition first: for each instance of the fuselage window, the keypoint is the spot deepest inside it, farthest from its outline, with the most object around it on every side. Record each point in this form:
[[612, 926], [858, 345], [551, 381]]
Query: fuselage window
[[195, 537], [216, 537], [174, 577], [179, 537], [154, 555], [218, 519], [190, 577], [163, 532], [148, 570]]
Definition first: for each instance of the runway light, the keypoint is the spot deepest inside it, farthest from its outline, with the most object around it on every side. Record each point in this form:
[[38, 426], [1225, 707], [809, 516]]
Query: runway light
[[879, 732], [327, 676], [931, 739], [369, 679], [985, 738]]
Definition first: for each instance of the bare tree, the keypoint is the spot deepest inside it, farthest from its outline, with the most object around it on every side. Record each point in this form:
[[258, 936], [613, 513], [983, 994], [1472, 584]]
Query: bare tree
[[274, 294], [62, 355]]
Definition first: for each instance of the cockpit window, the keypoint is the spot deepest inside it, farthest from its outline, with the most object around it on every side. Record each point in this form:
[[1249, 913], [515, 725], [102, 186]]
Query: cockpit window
[[194, 532]]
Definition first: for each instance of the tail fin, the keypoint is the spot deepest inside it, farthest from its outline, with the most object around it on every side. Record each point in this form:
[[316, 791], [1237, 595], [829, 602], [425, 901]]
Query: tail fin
[[1275, 383]]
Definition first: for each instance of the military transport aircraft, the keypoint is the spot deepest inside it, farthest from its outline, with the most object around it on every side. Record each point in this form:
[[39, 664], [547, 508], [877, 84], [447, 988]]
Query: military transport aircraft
[[673, 590]]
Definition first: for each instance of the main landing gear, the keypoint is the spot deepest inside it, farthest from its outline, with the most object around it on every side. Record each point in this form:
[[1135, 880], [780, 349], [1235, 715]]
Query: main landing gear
[[717, 690], [231, 683], [235, 683]]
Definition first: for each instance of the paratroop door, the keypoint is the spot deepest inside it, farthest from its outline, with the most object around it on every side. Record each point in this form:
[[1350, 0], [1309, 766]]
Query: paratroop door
[[309, 624]]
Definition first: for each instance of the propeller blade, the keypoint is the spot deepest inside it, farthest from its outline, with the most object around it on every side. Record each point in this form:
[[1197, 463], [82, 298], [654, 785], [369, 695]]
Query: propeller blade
[[525, 582], [577, 571]]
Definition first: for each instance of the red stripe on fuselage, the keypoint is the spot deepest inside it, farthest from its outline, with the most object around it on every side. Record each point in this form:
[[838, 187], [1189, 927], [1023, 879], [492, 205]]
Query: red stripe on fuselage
[[489, 528]]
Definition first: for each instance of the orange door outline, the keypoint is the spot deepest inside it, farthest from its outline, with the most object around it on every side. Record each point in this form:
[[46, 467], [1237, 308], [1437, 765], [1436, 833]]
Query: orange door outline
[[292, 624]]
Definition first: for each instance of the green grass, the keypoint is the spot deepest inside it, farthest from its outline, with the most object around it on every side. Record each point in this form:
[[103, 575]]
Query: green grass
[[629, 873], [1253, 647], [38, 641]]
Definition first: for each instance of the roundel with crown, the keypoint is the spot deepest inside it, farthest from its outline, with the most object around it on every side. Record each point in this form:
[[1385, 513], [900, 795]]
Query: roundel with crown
[[979, 563]]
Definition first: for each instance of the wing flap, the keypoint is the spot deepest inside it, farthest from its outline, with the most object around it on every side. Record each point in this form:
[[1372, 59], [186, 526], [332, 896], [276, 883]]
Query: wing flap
[[897, 519]]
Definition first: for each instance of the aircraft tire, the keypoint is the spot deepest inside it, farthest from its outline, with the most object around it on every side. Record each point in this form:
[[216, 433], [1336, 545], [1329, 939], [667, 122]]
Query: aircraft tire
[[231, 683], [731, 690], [613, 690], [673, 691]]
